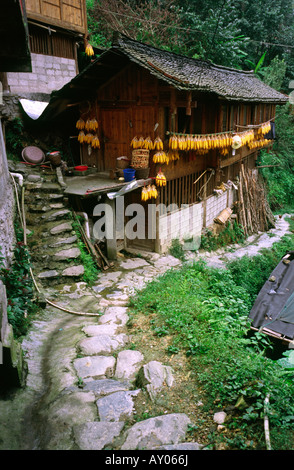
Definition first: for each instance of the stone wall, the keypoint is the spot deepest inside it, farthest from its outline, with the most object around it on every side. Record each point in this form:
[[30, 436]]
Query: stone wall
[[6, 205], [48, 73]]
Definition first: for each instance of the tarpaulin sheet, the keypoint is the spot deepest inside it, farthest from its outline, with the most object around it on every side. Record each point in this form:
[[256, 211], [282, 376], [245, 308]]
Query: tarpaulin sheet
[[274, 305]]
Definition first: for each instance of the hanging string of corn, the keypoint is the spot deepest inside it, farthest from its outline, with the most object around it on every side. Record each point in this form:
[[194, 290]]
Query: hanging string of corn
[[149, 192], [259, 143], [141, 143], [160, 179]]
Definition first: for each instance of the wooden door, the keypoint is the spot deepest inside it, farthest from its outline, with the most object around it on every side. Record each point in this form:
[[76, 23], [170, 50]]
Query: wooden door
[[144, 222], [116, 136]]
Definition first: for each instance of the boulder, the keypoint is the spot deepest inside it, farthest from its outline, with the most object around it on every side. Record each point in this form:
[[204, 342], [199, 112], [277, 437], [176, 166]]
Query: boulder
[[154, 376], [117, 406], [128, 365], [97, 435], [155, 432]]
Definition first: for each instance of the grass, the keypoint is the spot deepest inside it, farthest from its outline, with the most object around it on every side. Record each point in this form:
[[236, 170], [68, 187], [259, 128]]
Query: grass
[[202, 313]]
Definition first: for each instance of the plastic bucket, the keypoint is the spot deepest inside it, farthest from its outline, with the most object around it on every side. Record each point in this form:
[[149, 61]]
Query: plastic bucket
[[129, 174]]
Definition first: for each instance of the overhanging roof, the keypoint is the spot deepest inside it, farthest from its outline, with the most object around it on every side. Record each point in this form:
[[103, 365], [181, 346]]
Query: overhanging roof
[[181, 72]]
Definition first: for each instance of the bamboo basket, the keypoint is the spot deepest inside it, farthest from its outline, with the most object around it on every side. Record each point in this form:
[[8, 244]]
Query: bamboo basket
[[140, 158]]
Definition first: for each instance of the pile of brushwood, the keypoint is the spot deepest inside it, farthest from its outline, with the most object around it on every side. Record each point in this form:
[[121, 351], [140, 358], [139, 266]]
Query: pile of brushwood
[[252, 207]]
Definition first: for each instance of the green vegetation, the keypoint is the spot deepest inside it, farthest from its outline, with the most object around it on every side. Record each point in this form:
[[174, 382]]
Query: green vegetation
[[19, 288], [90, 267], [232, 233], [205, 312], [280, 177]]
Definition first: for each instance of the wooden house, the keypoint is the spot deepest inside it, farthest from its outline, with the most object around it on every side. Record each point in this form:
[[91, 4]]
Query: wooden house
[[196, 109]]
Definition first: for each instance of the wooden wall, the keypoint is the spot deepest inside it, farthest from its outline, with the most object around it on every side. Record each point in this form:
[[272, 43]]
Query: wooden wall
[[134, 102], [67, 14]]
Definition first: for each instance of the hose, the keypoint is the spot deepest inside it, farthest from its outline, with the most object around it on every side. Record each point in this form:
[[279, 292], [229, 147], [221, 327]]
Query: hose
[[21, 211]]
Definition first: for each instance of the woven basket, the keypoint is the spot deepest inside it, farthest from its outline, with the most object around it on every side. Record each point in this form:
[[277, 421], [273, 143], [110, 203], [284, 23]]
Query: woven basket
[[122, 163], [140, 158]]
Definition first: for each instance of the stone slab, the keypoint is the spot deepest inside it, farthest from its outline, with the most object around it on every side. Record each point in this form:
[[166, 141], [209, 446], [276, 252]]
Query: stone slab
[[155, 432], [134, 263], [114, 315], [64, 255], [97, 435], [104, 387], [73, 271], [103, 344], [118, 406], [65, 227], [128, 364], [154, 376], [95, 330], [95, 366]]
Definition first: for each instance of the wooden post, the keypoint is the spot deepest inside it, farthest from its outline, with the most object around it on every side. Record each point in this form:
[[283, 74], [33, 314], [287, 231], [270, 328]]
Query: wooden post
[[111, 244], [204, 199]]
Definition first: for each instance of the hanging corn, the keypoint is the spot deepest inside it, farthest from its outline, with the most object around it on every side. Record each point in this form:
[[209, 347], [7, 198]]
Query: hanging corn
[[81, 137], [80, 124], [89, 50], [148, 144], [88, 138], [95, 142], [160, 157], [144, 194], [158, 144], [160, 179]]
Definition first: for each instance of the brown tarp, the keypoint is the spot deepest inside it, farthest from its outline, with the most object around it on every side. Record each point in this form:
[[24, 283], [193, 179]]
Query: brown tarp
[[274, 305]]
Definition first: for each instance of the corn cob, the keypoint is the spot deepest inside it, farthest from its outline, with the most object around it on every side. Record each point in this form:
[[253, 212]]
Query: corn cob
[[89, 50], [81, 137], [160, 179], [95, 142], [158, 144], [80, 124], [148, 144]]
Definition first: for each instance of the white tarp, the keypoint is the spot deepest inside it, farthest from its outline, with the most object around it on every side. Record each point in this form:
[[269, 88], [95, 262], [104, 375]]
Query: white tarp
[[33, 109]]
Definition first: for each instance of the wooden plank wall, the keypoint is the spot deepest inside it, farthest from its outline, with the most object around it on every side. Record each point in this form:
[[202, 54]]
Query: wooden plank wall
[[132, 102], [68, 14], [55, 44]]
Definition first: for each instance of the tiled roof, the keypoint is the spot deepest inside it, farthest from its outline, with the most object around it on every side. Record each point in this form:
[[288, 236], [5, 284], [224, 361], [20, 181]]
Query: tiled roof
[[185, 73]]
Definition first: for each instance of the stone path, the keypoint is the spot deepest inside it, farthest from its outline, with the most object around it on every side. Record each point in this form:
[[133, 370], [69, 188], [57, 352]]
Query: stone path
[[83, 375], [94, 374]]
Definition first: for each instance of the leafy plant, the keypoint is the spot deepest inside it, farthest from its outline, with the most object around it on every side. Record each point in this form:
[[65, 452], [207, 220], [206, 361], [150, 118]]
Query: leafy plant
[[19, 290]]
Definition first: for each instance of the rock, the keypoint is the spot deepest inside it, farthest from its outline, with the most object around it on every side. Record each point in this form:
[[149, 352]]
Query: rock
[[102, 344], [104, 387], [95, 330], [56, 215], [183, 446], [95, 366], [65, 227], [114, 315], [128, 364], [219, 417], [65, 241], [154, 376], [97, 435], [73, 271], [134, 263], [167, 261], [73, 409], [64, 255], [48, 274], [118, 406], [154, 432], [34, 178]]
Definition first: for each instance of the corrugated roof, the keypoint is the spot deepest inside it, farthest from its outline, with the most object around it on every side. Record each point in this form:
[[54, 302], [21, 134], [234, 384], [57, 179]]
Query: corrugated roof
[[186, 73]]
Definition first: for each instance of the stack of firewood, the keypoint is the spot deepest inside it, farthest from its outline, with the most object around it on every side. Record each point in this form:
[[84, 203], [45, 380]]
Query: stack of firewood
[[252, 207]]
